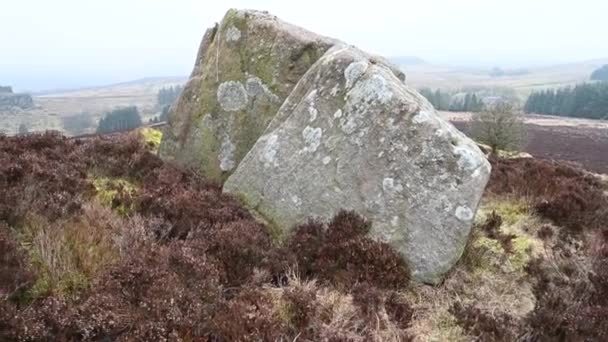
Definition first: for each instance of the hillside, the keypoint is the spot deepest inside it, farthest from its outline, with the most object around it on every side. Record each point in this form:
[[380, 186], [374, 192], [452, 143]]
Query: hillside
[[575, 140], [447, 77], [102, 240], [51, 109]]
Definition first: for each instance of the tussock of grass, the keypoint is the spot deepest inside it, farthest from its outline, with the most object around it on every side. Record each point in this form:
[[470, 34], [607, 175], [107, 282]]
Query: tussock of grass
[[66, 255]]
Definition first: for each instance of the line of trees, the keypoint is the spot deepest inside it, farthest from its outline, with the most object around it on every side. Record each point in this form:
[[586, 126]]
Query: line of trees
[[589, 100], [470, 102], [119, 120], [167, 95]]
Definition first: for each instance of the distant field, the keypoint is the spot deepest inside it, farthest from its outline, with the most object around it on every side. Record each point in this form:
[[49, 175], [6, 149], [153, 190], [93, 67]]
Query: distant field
[[445, 77], [51, 108], [550, 137]]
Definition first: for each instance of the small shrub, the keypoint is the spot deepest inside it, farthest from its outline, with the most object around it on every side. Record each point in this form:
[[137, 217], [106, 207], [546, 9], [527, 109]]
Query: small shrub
[[341, 254], [501, 127], [241, 247], [14, 273], [248, 317], [562, 193], [484, 326]]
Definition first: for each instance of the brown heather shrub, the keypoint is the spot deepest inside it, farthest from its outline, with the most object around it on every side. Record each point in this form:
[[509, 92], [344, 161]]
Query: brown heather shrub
[[185, 263], [14, 273], [300, 307], [186, 202], [242, 247], [371, 300], [341, 254], [572, 303], [484, 326], [560, 192], [38, 173], [248, 317]]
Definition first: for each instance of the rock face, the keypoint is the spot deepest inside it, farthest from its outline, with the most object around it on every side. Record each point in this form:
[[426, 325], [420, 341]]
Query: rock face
[[246, 67], [302, 125], [352, 135], [10, 101]]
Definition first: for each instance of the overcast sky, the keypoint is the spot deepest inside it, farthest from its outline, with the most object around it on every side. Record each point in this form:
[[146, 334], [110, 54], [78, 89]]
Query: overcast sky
[[71, 43]]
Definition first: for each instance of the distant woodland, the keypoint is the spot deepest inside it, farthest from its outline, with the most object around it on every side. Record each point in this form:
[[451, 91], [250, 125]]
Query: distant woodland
[[454, 102], [582, 101], [119, 120]]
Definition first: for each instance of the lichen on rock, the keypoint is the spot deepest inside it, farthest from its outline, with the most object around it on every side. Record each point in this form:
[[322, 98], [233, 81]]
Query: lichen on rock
[[279, 113], [419, 192]]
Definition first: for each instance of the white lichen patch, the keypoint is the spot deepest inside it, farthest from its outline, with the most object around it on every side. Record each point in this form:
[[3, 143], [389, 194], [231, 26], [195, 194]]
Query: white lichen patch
[[269, 152], [312, 138], [226, 155], [467, 158], [395, 221], [233, 34], [464, 213], [389, 186], [312, 110], [422, 116], [374, 89], [256, 88], [354, 71], [232, 96], [326, 160], [338, 114]]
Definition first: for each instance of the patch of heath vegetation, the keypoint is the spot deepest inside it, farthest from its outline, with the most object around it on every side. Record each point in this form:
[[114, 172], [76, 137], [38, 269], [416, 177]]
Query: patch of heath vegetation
[[152, 138], [65, 256], [115, 193]]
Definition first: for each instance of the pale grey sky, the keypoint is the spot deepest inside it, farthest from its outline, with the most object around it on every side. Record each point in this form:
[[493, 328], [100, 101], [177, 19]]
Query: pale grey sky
[[71, 43]]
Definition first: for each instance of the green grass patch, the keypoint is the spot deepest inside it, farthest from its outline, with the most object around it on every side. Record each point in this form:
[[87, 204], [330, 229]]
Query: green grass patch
[[152, 137], [64, 256], [115, 193]]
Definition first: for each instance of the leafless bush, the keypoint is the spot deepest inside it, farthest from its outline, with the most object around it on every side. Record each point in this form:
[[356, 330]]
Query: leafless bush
[[501, 127]]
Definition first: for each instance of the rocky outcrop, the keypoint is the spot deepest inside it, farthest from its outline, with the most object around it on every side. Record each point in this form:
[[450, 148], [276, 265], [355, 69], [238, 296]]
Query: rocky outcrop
[[10, 101], [246, 67], [352, 135], [302, 125]]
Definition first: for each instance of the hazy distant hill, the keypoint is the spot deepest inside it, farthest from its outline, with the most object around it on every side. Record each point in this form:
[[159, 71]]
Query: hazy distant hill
[[535, 78], [407, 60], [52, 107]]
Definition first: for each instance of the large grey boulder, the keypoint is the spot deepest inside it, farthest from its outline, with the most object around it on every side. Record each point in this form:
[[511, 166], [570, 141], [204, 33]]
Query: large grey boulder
[[246, 67], [352, 135]]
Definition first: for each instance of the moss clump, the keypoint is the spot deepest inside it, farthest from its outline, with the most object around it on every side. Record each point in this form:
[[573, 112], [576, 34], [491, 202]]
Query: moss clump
[[511, 211], [484, 253], [522, 251], [152, 137], [115, 193]]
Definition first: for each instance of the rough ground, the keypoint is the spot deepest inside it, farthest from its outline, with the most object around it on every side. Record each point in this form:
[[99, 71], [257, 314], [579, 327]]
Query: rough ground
[[576, 140], [99, 240]]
